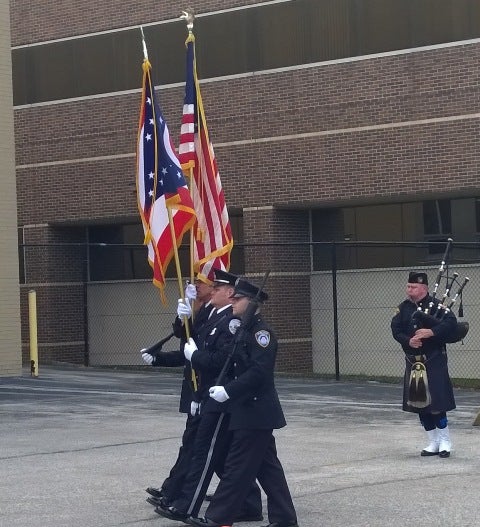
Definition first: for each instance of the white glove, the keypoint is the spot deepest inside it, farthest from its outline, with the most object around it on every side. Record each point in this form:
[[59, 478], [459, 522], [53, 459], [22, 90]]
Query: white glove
[[184, 309], [194, 408], [218, 393], [189, 349], [191, 292], [147, 358]]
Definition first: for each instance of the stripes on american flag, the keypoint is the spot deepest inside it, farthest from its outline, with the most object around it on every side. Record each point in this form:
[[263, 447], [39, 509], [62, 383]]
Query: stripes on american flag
[[213, 241], [164, 201]]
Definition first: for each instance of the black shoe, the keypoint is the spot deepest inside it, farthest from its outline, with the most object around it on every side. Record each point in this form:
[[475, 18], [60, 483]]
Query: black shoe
[[249, 517], [277, 524], [444, 453], [172, 513], [426, 453], [203, 522], [153, 491], [158, 502], [208, 497]]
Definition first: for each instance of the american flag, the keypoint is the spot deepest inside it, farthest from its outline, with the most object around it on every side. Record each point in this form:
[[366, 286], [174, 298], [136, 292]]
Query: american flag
[[162, 192], [213, 241]]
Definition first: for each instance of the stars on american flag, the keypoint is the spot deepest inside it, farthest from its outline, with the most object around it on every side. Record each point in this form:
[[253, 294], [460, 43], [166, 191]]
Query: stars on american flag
[[164, 202], [155, 131]]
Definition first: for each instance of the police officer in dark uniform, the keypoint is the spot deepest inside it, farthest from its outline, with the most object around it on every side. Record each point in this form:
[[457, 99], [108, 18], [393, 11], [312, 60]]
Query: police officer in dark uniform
[[428, 390], [208, 354], [255, 412], [201, 293]]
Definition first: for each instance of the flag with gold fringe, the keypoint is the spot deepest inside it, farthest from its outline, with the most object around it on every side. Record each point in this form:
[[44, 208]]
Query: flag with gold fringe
[[164, 201], [212, 239]]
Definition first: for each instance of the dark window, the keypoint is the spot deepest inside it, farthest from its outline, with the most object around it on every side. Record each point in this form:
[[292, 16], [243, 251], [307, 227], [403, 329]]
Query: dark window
[[477, 215], [21, 257], [264, 37], [116, 252], [237, 257], [109, 256], [437, 217], [391, 235]]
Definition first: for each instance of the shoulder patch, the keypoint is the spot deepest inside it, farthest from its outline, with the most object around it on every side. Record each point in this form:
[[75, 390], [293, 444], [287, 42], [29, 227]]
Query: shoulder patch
[[397, 311], [233, 325], [263, 337]]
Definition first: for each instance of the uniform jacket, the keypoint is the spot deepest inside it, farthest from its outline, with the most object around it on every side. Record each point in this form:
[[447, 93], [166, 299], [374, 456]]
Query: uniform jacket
[[254, 402], [214, 345], [404, 326], [176, 358], [433, 353]]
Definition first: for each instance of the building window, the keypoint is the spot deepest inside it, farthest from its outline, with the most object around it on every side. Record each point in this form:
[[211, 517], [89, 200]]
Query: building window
[[116, 252], [437, 217], [477, 215], [437, 223], [21, 257]]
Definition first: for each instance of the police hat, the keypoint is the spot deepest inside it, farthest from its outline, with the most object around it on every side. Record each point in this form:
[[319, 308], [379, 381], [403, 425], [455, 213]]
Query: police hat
[[223, 278], [245, 288], [417, 278]]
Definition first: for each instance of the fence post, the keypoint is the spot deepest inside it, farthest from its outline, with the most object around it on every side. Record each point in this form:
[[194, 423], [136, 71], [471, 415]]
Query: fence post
[[335, 309], [86, 279], [32, 321]]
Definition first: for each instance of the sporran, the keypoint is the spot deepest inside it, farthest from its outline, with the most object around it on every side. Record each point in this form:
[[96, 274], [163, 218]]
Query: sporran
[[418, 390]]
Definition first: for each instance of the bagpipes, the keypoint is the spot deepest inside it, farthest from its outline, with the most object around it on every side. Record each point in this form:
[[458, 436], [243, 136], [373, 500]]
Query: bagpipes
[[434, 313]]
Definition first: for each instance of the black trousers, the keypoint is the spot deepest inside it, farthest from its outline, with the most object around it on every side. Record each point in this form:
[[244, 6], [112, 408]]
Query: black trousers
[[172, 486], [252, 454], [210, 449]]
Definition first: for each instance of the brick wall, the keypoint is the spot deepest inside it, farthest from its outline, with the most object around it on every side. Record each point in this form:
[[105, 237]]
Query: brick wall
[[51, 19], [60, 322], [54, 262], [340, 165], [288, 285]]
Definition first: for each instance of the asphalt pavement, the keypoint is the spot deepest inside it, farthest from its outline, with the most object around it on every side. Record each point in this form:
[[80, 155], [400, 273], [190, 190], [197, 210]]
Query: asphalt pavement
[[80, 445]]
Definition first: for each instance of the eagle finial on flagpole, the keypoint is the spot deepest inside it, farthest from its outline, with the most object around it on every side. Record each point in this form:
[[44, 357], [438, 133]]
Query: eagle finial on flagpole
[[189, 17]]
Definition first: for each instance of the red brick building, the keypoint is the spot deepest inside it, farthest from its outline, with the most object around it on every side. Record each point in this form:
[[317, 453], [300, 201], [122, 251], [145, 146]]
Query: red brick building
[[331, 120]]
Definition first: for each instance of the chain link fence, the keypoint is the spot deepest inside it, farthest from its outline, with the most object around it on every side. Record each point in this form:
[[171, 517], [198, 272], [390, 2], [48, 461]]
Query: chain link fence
[[330, 303]]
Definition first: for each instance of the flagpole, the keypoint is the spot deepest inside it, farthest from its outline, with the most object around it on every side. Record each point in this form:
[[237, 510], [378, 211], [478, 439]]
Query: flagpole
[[189, 17], [179, 273], [144, 45]]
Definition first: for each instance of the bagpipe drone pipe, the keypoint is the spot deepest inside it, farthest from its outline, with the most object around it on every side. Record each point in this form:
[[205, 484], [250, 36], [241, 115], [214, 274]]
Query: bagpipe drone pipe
[[435, 312]]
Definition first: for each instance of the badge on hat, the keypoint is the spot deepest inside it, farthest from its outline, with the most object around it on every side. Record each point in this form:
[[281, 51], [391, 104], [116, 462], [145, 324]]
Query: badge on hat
[[224, 278], [263, 337], [417, 278]]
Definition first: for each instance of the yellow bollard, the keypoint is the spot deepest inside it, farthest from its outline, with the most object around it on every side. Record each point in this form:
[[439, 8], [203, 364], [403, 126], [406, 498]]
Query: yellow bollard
[[32, 321]]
